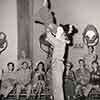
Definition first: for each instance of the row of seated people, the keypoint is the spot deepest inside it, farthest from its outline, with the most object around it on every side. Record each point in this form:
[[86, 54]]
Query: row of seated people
[[80, 82], [24, 77]]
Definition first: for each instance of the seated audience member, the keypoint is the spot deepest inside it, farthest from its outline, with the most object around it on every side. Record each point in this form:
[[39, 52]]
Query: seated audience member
[[90, 57], [69, 82], [24, 80], [8, 81], [82, 78], [95, 76], [94, 82], [39, 79]]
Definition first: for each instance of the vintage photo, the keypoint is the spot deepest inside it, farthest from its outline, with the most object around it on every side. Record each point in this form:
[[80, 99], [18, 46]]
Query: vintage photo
[[49, 50]]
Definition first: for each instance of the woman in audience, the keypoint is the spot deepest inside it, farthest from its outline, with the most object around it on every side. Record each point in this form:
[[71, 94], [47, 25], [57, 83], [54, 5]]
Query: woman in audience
[[8, 81], [69, 82], [39, 79]]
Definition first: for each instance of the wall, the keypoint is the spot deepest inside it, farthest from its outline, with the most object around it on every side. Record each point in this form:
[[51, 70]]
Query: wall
[[78, 12], [25, 27], [8, 25], [38, 30]]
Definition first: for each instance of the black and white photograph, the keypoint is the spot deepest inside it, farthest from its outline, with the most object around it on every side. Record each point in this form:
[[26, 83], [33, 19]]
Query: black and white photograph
[[49, 49]]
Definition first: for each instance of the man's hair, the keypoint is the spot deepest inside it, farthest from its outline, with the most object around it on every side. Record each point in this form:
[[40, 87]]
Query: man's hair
[[95, 62], [81, 60], [24, 63], [69, 63], [91, 47], [66, 28]]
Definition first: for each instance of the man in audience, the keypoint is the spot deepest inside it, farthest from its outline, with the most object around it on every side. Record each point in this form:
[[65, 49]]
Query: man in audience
[[90, 57], [24, 79], [95, 74], [82, 77], [8, 81], [94, 82]]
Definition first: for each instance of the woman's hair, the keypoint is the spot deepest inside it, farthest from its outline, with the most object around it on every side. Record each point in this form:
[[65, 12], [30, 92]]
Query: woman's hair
[[11, 63], [43, 65]]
